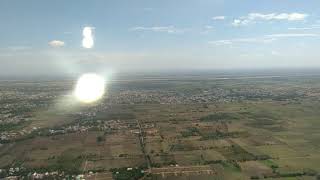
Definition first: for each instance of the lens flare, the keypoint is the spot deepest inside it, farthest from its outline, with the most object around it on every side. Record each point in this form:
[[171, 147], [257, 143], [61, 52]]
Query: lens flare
[[87, 41], [90, 88]]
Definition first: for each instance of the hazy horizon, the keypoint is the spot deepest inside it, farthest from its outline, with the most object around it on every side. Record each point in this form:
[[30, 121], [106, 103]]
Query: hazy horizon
[[175, 74]]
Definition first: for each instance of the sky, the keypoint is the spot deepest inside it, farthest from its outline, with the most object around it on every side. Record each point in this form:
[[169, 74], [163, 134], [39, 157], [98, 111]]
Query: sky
[[42, 37]]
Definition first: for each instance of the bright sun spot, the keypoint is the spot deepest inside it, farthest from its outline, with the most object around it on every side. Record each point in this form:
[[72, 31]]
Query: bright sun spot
[[89, 88], [87, 41]]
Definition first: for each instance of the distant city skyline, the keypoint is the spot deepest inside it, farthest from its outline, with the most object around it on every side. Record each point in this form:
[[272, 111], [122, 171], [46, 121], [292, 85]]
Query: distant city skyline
[[46, 37]]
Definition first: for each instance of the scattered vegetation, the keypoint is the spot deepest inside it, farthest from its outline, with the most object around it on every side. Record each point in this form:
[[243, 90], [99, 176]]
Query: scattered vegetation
[[219, 116], [127, 173]]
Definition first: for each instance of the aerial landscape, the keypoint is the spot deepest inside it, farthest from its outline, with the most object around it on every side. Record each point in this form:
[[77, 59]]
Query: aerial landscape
[[173, 128], [159, 90]]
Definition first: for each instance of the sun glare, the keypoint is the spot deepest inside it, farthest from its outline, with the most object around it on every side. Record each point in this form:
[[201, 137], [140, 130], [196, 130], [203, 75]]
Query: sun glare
[[87, 41], [89, 88]]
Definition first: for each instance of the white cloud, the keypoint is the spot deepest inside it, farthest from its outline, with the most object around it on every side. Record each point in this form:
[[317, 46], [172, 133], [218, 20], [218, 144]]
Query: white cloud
[[56, 43], [219, 18], [254, 17], [239, 22], [285, 35], [243, 40], [222, 42], [167, 29], [275, 16], [264, 39], [305, 28], [207, 29], [300, 28]]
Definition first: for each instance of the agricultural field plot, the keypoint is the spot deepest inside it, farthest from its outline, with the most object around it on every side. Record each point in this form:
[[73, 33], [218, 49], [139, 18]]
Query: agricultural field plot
[[255, 168]]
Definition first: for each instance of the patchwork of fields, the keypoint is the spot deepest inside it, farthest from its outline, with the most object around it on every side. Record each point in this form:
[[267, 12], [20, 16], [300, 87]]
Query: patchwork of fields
[[189, 129]]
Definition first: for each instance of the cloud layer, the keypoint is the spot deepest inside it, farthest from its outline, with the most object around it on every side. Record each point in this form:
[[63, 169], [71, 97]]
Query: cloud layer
[[255, 17], [167, 29], [264, 39], [219, 18], [242, 40]]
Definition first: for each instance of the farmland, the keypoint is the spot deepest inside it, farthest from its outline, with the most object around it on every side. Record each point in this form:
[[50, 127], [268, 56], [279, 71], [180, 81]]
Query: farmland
[[178, 128]]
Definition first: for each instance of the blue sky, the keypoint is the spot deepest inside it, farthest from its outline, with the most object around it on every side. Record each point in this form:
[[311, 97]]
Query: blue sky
[[44, 37]]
